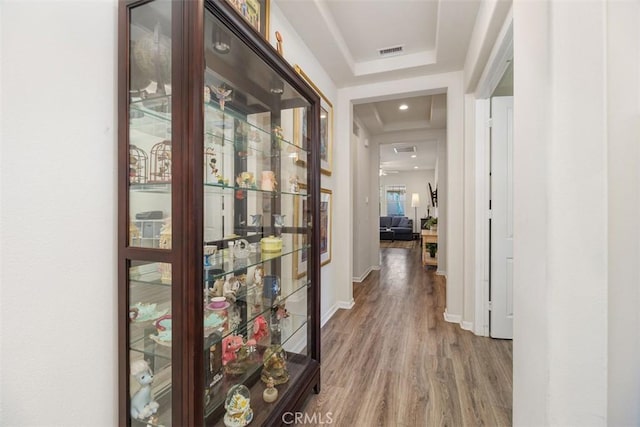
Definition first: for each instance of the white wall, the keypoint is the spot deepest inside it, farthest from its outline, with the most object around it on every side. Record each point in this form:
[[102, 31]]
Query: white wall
[[623, 153], [414, 182], [441, 212], [576, 208], [336, 276], [1, 215], [365, 256], [58, 185]]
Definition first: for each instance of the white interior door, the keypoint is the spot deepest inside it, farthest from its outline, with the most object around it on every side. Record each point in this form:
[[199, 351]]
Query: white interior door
[[501, 279]]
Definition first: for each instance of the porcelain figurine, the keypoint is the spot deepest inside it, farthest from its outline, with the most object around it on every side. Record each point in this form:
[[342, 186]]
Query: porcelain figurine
[[258, 274], [208, 251], [238, 407], [223, 94], [165, 243], [260, 328], [218, 288], [269, 182], [142, 403], [270, 394], [230, 346], [246, 180], [294, 185], [231, 287]]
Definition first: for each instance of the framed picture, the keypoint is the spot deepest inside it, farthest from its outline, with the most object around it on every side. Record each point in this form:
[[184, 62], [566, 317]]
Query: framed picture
[[300, 134], [325, 226], [300, 240], [256, 12], [326, 126]]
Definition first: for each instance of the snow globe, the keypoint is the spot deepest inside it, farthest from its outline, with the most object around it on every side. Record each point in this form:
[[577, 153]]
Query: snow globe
[[238, 407]]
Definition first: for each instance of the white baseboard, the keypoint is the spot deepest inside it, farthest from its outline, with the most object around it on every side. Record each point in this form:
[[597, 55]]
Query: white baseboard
[[482, 331], [345, 305], [452, 318], [467, 326], [364, 276], [329, 314]]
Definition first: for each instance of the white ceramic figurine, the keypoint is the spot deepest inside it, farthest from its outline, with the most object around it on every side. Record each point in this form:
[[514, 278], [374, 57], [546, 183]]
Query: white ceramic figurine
[[142, 403]]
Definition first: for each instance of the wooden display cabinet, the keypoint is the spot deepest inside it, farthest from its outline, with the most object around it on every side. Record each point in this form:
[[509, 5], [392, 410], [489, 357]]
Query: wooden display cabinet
[[216, 111]]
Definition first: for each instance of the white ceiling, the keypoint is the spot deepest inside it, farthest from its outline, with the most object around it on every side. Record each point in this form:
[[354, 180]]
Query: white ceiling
[[426, 153], [345, 36]]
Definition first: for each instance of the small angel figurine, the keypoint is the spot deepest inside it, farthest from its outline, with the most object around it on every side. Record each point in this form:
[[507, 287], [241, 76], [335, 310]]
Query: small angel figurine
[[270, 394], [223, 95]]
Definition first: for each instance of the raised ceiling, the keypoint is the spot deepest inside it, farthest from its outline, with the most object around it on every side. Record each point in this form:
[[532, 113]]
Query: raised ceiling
[[409, 127], [424, 112], [345, 36]]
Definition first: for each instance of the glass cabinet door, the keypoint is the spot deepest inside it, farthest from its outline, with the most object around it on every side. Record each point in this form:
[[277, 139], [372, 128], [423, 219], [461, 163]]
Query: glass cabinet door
[[256, 228], [149, 199]]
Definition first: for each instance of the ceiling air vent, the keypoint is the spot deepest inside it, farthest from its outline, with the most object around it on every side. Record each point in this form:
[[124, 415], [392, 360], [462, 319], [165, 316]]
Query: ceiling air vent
[[411, 149], [391, 51]]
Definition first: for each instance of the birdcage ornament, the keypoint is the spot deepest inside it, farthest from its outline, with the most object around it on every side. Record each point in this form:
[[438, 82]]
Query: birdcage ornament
[[138, 164], [161, 162]]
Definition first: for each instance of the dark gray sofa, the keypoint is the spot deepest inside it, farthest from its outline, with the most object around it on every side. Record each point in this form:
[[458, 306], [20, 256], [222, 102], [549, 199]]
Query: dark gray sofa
[[401, 226]]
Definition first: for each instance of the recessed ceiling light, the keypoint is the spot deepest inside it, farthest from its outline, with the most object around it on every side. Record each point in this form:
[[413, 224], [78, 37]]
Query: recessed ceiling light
[[415, 167], [323, 116], [413, 156], [403, 107]]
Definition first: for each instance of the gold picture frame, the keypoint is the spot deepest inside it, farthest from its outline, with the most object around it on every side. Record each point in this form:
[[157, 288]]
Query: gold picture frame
[[325, 224], [300, 240], [326, 219], [326, 125], [255, 12]]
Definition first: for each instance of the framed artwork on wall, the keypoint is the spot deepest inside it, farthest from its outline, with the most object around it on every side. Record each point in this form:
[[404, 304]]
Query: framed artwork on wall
[[300, 240], [256, 12], [326, 126], [300, 134], [325, 222]]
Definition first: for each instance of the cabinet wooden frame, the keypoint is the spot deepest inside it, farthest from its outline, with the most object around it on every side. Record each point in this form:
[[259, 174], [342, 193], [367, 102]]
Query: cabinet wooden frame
[[187, 104]]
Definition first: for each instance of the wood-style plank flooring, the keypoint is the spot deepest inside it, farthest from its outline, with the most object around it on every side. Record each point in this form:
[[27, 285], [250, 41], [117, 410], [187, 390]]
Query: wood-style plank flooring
[[393, 361]]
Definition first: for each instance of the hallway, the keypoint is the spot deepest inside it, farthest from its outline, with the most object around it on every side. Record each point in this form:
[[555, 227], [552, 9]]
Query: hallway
[[392, 360]]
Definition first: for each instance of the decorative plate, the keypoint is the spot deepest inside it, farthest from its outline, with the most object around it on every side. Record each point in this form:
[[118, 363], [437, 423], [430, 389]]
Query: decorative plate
[[163, 338], [142, 312]]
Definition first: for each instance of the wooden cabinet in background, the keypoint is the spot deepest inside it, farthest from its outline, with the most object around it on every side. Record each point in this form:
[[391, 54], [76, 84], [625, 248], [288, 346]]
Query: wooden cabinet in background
[[429, 236]]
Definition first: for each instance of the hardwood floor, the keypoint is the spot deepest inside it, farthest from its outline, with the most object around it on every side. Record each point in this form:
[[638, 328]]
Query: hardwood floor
[[392, 360]]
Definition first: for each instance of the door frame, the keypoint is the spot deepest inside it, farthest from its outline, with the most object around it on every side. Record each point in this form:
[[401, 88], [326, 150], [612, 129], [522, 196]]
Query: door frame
[[497, 64]]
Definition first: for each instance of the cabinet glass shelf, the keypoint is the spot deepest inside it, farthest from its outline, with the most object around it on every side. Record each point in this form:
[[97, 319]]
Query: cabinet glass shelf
[[148, 115], [227, 267], [288, 328], [230, 189], [151, 187]]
